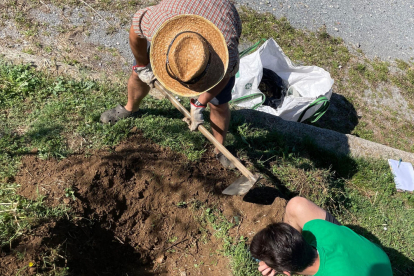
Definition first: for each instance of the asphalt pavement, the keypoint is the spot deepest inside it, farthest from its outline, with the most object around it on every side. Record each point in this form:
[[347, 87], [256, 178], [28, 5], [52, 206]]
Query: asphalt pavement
[[380, 28]]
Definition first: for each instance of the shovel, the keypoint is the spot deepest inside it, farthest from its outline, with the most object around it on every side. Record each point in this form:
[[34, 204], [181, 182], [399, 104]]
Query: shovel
[[243, 184]]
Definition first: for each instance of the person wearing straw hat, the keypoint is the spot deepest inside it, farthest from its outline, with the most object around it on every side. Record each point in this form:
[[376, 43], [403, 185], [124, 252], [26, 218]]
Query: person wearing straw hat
[[193, 53]]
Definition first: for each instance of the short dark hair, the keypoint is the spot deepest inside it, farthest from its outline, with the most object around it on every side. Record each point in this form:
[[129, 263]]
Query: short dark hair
[[283, 248]]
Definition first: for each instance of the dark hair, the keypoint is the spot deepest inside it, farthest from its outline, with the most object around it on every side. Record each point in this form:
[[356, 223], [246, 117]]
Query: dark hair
[[283, 248]]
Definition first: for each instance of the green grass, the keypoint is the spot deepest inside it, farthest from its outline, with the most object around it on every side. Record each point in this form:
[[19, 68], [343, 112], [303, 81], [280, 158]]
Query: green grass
[[56, 117], [235, 248], [309, 48], [362, 131], [18, 214], [41, 113], [405, 81], [44, 113]]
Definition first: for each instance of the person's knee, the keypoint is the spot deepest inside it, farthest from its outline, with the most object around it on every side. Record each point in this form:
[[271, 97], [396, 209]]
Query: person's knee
[[136, 81], [136, 87], [221, 108], [134, 76], [296, 206]]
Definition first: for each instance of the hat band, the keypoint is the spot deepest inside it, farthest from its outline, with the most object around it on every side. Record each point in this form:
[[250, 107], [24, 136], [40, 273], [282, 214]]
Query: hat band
[[195, 79]]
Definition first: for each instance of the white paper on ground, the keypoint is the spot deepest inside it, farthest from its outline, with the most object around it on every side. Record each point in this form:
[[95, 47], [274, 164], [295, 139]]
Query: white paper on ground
[[403, 175]]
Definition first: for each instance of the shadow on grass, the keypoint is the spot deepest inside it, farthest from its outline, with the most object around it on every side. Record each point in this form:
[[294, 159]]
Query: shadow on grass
[[401, 265], [326, 148], [49, 138], [269, 142], [167, 113], [341, 115]]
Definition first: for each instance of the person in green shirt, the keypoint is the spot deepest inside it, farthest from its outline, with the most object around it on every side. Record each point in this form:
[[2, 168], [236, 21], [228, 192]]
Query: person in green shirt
[[311, 241]]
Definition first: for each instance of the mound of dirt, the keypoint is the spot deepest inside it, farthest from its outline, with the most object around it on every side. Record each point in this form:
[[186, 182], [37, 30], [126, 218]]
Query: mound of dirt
[[136, 212]]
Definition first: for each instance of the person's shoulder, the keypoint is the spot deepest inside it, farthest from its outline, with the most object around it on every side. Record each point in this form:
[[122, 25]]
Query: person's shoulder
[[318, 223], [322, 228]]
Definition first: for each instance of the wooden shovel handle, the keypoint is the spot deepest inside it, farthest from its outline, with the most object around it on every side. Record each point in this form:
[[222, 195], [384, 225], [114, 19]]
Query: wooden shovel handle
[[206, 133]]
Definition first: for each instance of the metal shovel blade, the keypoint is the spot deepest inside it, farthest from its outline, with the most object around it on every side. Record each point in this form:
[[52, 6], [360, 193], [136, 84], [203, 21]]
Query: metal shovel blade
[[241, 186]]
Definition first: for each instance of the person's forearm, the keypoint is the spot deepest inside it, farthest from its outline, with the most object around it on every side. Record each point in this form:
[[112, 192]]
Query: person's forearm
[[209, 95], [138, 47]]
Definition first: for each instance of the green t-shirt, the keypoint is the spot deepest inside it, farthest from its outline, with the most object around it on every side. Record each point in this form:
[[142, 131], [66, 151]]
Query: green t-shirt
[[343, 252]]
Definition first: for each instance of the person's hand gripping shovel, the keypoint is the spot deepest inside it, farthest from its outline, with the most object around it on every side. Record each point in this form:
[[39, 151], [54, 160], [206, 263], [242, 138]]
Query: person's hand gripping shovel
[[243, 184], [196, 115]]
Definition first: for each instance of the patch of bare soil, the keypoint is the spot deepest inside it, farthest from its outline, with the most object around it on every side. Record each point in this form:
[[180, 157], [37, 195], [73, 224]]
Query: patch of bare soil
[[136, 212]]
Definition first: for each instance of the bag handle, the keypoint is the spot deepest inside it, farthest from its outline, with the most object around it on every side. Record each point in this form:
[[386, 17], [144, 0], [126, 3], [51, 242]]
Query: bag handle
[[315, 116], [251, 48], [254, 95], [247, 97]]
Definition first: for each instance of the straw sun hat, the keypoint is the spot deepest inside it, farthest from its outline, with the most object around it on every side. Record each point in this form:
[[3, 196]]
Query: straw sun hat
[[189, 55]]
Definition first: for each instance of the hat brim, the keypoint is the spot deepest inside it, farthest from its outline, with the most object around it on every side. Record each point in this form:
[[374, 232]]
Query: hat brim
[[218, 49]]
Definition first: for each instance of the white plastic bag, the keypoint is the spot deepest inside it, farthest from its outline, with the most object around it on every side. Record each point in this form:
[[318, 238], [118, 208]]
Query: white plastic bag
[[310, 86]]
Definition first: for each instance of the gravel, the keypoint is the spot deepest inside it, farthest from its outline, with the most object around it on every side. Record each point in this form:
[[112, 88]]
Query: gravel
[[383, 29], [96, 26]]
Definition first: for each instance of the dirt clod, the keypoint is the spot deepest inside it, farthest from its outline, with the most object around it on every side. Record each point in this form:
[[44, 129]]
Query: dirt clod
[[160, 259], [32, 270], [66, 200]]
